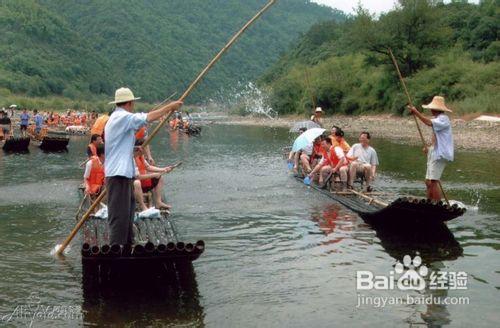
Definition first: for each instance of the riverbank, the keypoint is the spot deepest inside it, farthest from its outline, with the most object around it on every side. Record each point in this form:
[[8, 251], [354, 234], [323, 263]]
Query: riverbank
[[468, 134]]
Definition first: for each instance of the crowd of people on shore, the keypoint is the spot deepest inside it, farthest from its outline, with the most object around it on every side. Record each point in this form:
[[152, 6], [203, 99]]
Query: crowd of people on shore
[[35, 122]]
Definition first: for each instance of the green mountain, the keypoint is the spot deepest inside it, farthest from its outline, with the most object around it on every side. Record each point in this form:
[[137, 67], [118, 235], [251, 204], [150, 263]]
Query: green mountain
[[448, 49], [76, 48]]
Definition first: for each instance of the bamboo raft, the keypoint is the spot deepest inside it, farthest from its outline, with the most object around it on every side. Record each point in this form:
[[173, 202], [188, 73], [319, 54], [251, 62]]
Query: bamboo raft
[[156, 248], [403, 211], [16, 144], [191, 130], [51, 143]]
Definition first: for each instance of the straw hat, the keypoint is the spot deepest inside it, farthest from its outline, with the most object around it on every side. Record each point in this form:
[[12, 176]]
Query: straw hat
[[437, 103], [318, 110], [123, 95]]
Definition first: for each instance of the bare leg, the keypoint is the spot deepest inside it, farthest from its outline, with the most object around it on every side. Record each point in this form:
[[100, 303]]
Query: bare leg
[[305, 163], [325, 170], [343, 173], [434, 190], [139, 195], [352, 173], [296, 157], [368, 174], [428, 186], [157, 193]]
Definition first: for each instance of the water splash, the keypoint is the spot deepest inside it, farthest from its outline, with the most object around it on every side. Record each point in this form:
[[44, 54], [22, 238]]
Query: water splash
[[54, 250], [247, 99]]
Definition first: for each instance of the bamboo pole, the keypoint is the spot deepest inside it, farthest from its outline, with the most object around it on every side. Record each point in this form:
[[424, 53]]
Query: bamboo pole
[[209, 66], [191, 87], [416, 122], [370, 199], [308, 82]]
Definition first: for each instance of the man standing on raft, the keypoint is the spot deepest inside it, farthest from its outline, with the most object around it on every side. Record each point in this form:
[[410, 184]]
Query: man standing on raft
[[441, 150], [119, 165]]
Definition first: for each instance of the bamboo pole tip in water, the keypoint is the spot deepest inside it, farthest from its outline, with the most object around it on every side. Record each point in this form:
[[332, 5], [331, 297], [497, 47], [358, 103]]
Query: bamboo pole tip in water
[[56, 251]]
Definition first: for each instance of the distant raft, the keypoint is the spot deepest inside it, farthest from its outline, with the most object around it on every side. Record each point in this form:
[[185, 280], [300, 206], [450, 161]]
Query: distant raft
[[404, 211], [51, 143], [16, 144], [55, 141], [191, 130]]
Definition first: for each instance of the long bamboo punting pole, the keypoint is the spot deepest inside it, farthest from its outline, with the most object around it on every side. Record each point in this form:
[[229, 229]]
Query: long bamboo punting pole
[[308, 82], [208, 67], [186, 93], [416, 122]]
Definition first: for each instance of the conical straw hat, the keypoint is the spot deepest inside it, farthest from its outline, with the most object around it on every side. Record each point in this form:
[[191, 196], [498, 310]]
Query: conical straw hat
[[437, 103]]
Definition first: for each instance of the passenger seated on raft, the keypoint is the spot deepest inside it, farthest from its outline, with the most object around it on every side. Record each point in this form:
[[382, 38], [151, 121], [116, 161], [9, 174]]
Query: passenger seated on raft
[[310, 156], [337, 138], [94, 172], [293, 156], [365, 161], [95, 141], [148, 178], [333, 161]]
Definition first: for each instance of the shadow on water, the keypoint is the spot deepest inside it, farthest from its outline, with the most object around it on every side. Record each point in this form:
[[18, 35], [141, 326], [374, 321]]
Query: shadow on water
[[144, 299], [434, 244]]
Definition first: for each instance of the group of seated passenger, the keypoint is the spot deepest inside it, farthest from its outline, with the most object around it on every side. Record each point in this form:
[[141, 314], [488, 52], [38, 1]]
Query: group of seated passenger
[[330, 159], [148, 177]]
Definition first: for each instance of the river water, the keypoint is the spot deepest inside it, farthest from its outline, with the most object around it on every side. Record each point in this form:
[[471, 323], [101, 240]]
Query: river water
[[277, 254]]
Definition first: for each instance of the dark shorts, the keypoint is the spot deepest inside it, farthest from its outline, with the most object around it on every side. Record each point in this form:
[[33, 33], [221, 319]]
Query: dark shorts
[[154, 183], [24, 127]]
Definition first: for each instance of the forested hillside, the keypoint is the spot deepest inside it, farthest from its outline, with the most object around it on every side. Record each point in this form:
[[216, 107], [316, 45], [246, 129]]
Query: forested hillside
[[75, 48], [447, 49]]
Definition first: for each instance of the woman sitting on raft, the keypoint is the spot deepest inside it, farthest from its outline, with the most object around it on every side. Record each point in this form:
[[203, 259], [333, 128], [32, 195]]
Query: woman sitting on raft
[[94, 172], [148, 178]]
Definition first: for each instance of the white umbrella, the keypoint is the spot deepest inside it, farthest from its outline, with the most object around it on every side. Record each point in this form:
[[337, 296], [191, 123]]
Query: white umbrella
[[306, 138]]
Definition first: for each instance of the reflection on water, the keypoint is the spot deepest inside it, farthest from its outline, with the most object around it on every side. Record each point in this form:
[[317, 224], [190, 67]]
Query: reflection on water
[[169, 300], [277, 253]]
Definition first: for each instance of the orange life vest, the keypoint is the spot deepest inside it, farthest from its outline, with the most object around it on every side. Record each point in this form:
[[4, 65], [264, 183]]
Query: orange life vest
[[141, 166], [96, 177], [141, 133], [342, 144], [93, 149], [100, 123], [174, 123], [331, 157]]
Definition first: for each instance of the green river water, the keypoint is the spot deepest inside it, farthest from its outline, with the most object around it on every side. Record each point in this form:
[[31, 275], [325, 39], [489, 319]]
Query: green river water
[[277, 253]]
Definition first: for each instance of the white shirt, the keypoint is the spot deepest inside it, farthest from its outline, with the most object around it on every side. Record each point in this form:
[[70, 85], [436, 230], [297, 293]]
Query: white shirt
[[338, 151], [120, 139], [308, 150], [443, 147], [366, 155]]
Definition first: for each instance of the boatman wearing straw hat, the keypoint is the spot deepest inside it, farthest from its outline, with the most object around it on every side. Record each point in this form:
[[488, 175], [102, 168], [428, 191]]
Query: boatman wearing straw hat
[[119, 165], [316, 117], [441, 150]]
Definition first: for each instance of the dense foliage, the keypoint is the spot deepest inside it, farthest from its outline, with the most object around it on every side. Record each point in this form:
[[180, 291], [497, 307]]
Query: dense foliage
[[68, 49], [448, 49]]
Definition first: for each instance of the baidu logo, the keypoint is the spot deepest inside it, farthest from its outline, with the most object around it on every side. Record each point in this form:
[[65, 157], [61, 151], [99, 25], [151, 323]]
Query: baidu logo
[[411, 274]]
